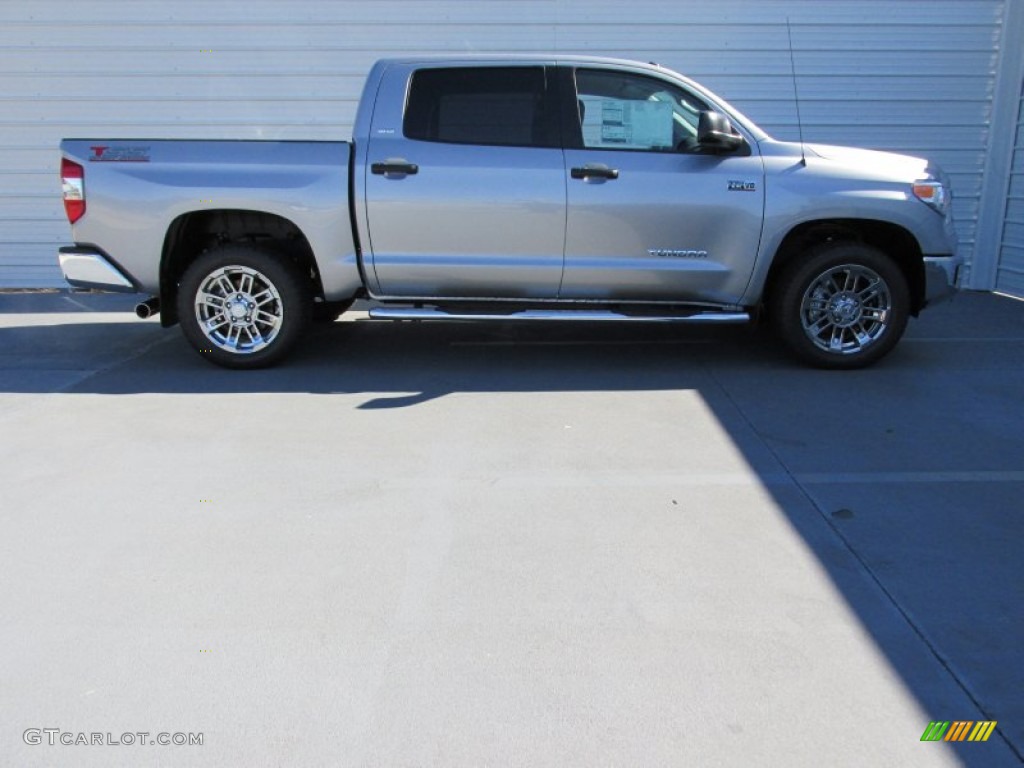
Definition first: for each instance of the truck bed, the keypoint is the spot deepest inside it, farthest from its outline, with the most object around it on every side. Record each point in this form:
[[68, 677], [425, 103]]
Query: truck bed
[[137, 189]]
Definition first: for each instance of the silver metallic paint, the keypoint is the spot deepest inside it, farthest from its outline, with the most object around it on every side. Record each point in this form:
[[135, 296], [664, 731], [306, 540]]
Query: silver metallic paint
[[852, 184], [660, 201], [474, 221], [942, 277], [484, 222], [131, 205], [85, 268]]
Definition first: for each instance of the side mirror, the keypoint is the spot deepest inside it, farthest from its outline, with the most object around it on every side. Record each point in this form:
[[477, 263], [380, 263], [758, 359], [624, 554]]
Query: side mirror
[[714, 131]]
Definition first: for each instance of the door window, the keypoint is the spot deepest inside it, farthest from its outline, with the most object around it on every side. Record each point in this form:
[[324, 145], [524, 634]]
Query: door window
[[503, 106], [620, 110]]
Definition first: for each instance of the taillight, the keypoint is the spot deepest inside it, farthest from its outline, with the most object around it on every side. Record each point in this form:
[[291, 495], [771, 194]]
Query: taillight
[[72, 177]]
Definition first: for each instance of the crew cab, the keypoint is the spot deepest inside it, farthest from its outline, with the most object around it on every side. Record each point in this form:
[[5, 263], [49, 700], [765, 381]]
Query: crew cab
[[536, 188]]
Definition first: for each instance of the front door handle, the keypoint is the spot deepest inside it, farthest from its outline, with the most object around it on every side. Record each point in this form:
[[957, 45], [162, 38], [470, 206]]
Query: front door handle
[[394, 166], [594, 172]]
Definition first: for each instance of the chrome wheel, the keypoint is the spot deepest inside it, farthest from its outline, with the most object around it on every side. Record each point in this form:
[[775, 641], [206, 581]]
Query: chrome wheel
[[239, 309], [846, 309]]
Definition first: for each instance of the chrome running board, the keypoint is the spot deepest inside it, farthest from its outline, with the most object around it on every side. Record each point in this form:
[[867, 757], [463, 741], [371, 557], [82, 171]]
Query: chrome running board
[[582, 315]]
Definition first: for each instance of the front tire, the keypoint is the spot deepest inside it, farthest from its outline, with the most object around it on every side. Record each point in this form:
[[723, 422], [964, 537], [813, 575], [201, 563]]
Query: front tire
[[243, 306], [845, 305]]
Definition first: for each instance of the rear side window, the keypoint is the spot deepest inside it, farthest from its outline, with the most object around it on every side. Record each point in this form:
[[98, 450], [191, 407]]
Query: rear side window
[[504, 106]]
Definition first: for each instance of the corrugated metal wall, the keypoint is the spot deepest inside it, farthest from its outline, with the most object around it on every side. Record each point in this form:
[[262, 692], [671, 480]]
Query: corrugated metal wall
[[907, 75], [1010, 270]]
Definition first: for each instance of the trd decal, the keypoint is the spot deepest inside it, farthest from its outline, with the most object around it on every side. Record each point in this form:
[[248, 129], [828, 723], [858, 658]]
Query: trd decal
[[109, 154]]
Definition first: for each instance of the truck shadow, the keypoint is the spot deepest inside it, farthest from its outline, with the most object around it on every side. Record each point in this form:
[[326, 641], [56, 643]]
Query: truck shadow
[[415, 361]]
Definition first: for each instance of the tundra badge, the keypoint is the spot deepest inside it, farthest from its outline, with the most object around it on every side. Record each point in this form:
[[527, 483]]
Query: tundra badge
[[677, 254]]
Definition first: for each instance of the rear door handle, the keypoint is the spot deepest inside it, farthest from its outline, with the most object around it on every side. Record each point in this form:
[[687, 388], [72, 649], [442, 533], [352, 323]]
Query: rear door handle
[[594, 172], [394, 166]]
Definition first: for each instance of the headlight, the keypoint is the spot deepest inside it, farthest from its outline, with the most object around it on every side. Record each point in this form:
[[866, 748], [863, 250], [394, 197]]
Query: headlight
[[934, 194]]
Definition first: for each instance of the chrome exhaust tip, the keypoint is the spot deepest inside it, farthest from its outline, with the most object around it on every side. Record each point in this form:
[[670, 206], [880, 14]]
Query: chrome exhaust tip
[[147, 308]]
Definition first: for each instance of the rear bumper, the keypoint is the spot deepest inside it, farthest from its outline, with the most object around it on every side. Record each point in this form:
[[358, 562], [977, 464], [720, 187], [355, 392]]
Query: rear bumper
[[941, 274], [89, 268]]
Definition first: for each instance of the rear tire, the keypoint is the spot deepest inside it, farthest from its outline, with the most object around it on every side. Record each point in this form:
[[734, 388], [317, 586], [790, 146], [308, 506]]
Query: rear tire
[[243, 306], [844, 305]]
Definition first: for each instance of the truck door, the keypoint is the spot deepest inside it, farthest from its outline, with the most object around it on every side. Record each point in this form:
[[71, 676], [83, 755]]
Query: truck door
[[651, 217], [465, 187]]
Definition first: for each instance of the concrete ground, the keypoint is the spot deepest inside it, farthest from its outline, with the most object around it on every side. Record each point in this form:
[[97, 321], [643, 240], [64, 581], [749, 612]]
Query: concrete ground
[[470, 545]]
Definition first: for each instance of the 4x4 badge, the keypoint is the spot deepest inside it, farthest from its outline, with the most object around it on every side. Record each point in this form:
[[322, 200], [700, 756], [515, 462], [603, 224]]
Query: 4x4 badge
[[742, 186]]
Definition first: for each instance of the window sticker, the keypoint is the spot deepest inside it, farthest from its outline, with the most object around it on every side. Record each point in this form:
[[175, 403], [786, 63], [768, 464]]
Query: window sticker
[[626, 124]]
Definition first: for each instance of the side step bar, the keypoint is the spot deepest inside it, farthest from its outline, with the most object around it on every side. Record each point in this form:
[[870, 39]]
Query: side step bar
[[585, 315]]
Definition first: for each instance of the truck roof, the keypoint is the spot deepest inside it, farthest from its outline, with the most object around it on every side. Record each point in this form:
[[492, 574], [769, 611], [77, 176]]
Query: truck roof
[[528, 58]]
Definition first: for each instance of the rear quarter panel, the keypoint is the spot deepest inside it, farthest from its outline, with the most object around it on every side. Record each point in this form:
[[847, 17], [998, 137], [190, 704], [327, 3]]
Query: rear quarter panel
[[136, 188]]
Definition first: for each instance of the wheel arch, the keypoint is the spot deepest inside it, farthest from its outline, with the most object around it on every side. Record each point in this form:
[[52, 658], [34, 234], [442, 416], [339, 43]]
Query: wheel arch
[[894, 241], [192, 234]]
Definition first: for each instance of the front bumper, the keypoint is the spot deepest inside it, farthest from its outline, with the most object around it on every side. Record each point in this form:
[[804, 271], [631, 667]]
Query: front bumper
[[89, 268], [941, 274]]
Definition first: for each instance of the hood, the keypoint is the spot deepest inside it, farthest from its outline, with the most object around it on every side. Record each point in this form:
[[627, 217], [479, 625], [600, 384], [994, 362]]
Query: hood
[[889, 164]]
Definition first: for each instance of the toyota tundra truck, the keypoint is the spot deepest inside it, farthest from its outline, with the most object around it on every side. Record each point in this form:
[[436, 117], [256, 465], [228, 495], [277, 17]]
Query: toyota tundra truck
[[534, 188]]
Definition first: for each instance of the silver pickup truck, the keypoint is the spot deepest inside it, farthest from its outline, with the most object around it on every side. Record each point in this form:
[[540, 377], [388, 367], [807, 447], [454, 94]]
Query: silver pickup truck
[[515, 188]]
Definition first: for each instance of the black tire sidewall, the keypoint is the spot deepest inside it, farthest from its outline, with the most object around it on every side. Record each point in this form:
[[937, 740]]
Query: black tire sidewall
[[787, 296], [294, 291]]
